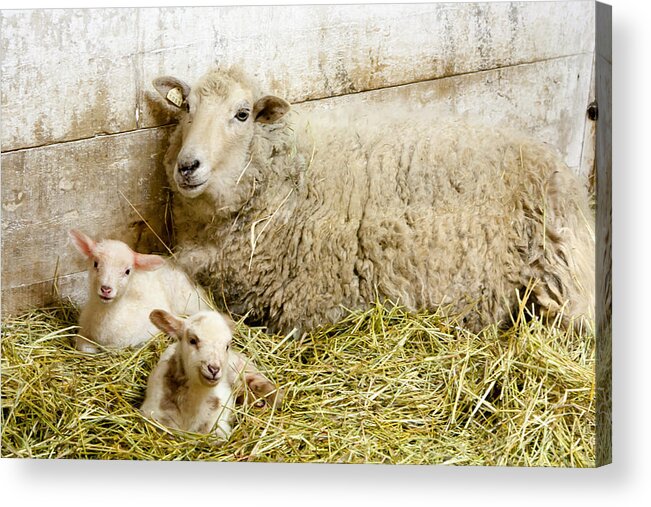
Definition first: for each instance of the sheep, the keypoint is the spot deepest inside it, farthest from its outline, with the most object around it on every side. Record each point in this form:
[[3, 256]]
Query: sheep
[[199, 378], [295, 219], [124, 287]]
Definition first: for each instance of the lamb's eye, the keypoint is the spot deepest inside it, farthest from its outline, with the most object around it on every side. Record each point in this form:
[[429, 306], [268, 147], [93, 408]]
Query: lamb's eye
[[242, 115], [127, 272], [194, 340], [228, 346], [95, 264]]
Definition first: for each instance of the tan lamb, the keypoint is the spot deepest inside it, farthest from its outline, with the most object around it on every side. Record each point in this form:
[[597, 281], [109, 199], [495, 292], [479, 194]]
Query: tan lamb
[[199, 378]]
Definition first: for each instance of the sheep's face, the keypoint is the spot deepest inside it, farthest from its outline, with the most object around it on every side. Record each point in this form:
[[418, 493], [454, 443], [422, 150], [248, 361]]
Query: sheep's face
[[204, 343], [217, 129], [217, 133], [111, 265]]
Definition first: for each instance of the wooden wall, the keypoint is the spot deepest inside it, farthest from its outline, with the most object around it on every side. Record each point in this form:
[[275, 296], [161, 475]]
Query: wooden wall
[[83, 134]]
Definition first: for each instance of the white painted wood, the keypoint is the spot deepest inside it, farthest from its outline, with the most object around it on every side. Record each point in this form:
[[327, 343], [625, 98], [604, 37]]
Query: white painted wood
[[73, 74], [67, 74]]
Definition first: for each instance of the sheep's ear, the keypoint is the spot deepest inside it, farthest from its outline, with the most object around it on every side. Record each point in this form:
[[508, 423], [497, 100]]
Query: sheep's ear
[[167, 323], [270, 109], [82, 242], [173, 90], [147, 262]]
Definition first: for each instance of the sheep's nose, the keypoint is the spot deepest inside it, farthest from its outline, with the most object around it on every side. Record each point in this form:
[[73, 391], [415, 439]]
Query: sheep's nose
[[106, 290], [214, 370], [187, 168]]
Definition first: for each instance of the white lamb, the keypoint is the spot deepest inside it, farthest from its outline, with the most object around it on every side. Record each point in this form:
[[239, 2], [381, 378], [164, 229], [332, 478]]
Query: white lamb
[[199, 378], [124, 287]]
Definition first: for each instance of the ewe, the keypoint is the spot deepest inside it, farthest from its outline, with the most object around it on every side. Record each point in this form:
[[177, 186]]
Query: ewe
[[124, 287], [293, 218], [199, 378]]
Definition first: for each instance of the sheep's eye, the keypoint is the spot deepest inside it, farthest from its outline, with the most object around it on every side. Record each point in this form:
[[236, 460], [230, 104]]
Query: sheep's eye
[[127, 272], [194, 340], [95, 264], [242, 115], [228, 346]]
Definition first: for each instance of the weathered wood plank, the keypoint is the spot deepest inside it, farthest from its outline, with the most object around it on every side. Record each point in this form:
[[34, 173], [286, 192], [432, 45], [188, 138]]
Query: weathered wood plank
[[311, 52], [16, 300], [67, 74], [76, 73]]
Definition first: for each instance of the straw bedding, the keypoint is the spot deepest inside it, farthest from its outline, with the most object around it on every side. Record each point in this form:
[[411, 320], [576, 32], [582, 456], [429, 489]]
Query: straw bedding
[[381, 386]]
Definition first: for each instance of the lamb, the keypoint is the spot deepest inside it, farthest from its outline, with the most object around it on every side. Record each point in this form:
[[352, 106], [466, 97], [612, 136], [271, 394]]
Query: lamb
[[294, 218], [199, 378], [124, 287]]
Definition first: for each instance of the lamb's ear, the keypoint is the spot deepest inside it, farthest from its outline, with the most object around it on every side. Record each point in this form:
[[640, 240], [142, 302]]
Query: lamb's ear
[[173, 90], [147, 262], [82, 242], [167, 323], [270, 109]]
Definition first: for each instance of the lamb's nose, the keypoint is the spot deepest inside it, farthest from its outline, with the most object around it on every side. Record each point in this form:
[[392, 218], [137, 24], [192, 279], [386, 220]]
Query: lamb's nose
[[187, 168], [214, 370], [106, 290]]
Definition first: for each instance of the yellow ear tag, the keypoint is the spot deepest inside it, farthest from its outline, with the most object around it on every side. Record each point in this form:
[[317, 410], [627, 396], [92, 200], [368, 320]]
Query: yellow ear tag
[[175, 96]]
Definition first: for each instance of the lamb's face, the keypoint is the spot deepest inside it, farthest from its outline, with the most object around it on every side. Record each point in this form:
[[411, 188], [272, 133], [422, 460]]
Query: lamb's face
[[217, 133], [111, 266], [204, 343]]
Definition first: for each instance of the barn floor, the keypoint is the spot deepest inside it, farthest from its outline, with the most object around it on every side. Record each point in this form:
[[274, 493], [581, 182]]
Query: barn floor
[[382, 386]]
